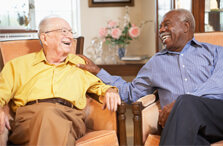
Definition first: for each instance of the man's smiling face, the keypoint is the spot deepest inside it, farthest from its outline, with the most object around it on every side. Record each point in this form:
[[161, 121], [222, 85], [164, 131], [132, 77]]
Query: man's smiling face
[[172, 31]]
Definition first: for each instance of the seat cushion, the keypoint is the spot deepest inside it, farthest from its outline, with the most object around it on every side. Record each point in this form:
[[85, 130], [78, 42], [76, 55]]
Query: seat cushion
[[102, 137]]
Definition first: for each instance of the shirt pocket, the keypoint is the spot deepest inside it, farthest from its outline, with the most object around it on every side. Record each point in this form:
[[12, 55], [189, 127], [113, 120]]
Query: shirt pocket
[[200, 70]]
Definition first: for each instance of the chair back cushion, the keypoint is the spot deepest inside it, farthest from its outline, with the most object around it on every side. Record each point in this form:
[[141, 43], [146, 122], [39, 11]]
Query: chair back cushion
[[215, 38], [12, 49]]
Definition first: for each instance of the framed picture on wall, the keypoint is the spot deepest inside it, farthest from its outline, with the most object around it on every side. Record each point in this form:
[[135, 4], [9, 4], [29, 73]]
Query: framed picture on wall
[[110, 3]]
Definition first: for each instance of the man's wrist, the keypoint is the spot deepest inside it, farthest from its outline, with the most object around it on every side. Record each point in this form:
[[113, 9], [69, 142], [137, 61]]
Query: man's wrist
[[112, 89], [97, 70]]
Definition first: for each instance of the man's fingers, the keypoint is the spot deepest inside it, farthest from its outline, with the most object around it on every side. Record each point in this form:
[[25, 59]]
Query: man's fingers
[[115, 103], [108, 103], [82, 56], [7, 124], [82, 66], [112, 102], [2, 122], [87, 60], [112, 99], [160, 117], [163, 114], [119, 100], [89, 65], [104, 106]]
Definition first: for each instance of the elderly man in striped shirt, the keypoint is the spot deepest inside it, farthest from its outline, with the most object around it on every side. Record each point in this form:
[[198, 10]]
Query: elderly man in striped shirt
[[188, 77]]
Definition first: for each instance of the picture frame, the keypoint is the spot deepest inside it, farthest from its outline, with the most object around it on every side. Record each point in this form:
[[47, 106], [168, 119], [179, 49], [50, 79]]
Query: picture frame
[[110, 3]]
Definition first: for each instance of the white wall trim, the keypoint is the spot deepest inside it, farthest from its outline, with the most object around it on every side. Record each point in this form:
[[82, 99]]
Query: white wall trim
[[76, 18]]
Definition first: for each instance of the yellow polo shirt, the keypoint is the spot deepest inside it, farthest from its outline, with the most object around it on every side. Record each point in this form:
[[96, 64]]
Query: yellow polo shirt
[[31, 77]]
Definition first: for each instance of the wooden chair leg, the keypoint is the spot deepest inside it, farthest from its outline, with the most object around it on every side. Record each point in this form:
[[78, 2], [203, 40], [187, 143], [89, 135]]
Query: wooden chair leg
[[121, 124], [137, 120]]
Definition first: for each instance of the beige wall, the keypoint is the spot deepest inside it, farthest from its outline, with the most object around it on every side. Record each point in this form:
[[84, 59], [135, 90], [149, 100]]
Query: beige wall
[[149, 35], [92, 19]]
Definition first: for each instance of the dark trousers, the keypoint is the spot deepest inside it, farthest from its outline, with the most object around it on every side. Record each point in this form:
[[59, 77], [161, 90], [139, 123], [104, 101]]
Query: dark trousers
[[194, 121]]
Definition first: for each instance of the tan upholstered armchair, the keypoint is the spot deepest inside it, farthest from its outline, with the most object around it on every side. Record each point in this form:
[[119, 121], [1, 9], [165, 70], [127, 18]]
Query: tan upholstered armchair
[[102, 130], [146, 109], [145, 118]]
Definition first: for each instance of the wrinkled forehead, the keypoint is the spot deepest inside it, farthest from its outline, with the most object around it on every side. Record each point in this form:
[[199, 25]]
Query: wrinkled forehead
[[171, 16]]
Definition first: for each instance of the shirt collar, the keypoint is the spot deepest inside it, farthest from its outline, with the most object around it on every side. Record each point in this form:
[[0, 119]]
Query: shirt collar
[[72, 58], [40, 57], [192, 42], [195, 42]]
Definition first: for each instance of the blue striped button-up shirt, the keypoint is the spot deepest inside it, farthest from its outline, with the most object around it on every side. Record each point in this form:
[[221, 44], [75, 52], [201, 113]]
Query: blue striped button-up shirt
[[196, 70]]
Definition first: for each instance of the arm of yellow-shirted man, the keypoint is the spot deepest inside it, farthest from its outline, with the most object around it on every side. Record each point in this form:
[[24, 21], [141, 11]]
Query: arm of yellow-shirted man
[[107, 94]]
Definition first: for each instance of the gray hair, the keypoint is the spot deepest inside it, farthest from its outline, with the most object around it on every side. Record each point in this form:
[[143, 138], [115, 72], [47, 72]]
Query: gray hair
[[44, 24], [186, 16]]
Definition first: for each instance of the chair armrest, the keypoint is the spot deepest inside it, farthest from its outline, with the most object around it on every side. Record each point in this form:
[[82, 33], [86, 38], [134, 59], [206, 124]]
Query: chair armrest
[[99, 119], [145, 118], [147, 100]]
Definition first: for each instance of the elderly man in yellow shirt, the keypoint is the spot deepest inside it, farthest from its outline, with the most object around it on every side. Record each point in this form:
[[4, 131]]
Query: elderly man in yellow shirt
[[48, 77]]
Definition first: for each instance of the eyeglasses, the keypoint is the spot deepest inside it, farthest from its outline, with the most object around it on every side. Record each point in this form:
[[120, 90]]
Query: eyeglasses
[[62, 31]]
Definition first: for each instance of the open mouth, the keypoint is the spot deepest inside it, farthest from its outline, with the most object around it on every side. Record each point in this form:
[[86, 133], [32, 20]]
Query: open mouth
[[165, 36], [67, 43]]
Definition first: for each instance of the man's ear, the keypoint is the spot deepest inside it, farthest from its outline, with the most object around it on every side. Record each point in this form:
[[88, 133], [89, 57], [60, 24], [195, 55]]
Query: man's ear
[[43, 39], [186, 27]]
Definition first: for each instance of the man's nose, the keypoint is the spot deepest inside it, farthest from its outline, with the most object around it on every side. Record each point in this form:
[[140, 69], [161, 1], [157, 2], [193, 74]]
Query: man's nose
[[70, 35], [161, 29]]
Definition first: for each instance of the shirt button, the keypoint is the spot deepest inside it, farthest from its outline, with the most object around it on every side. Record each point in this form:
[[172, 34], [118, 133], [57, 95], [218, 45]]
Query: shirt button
[[183, 66], [185, 79], [182, 54]]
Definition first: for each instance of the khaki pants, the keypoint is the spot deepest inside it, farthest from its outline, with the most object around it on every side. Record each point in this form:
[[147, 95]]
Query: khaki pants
[[47, 124]]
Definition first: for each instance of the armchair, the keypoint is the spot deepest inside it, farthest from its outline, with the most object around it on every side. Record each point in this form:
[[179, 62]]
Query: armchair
[[146, 110], [101, 130]]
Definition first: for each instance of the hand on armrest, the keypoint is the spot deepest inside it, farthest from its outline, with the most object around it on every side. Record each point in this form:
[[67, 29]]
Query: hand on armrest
[[111, 99]]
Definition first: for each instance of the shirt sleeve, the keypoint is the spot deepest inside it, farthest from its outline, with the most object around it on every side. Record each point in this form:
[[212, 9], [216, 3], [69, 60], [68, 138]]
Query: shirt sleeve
[[6, 84], [130, 91], [213, 86], [96, 86]]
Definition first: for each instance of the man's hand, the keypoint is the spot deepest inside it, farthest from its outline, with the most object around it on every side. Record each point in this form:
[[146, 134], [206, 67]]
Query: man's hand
[[111, 99], [4, 121], [89, 66], [163, 114]]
